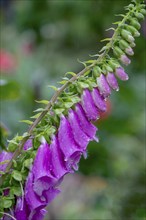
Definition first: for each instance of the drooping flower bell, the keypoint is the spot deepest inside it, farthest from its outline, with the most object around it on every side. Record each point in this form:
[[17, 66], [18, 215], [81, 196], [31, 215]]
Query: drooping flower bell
[[89, 106], [120, 73], [103, 86], [112, 81], [125, 60]]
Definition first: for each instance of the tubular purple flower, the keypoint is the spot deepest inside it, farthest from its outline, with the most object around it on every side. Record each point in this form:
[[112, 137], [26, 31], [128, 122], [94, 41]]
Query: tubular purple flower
[[66, 140], [5, 157], [31, 197], [98, 100], [86, 125], [120, 73], [80, 137], [103, 86], [88, 105], [21, 210], [112, 81], [125, 60], [57, 160], [41, 166], [28, 144], [38, 214]]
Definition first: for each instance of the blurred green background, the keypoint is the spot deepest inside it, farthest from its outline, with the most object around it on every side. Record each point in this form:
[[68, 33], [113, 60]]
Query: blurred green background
[[40, 41]]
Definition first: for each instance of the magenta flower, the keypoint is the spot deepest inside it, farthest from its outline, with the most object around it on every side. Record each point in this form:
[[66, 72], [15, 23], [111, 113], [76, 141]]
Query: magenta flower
[[98, 100], [5, 157], [57, 164], [21, 209], [120, 73], [112, 81], [79, 136], [28, 144], [103, 86], [88, 128], [125, 60], [68, 146], [88, 105]]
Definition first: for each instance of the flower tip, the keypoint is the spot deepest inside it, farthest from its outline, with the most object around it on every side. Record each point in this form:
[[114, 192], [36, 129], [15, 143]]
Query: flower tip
[[125, 60]]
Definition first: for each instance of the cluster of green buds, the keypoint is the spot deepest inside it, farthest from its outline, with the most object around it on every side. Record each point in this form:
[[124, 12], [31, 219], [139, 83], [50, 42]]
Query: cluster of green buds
[[129, 29]]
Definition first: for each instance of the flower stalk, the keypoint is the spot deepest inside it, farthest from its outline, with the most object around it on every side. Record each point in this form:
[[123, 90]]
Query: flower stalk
[[73, 116]]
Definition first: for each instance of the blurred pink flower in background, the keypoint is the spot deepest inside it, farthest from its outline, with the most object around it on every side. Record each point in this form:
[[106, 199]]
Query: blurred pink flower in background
[[8, 62]]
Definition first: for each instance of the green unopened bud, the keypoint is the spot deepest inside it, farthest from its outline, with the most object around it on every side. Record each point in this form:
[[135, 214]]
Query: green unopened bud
[[143, 11], [118, 52], [123, 44], [132, 30], [96, 71], [127, 36], [113, 64], [135, 23], [139, 15], [131, 6], [132, 44], [108, 68]]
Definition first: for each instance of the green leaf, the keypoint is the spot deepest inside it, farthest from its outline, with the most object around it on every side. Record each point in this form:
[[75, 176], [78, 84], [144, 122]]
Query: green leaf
[[68, 104], [83, 85], [120, 15], [113, 29], [90, 61], [27, 122], [12, 146], [53, 87], [103, 49], [106, 39], [16, 191], [75, 99], [117, 22], [4, 162], [27, 163], [9, 90], [70, 73], [1, 172], [42, 101], [36, 116], [17, 175], [82, 62], [39, 110], [59, 111], [62, 82], [6, 203]]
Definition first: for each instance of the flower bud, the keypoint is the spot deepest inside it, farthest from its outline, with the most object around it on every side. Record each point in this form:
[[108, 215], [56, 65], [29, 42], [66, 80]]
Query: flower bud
[[135, 23], [103, 86], [114, 64], [96, 71], [108, 68], [130, 6], [143, 11], [132, 30], [125, 60], [120, 73], [112, 81], [127, 36], [123, 44], [129, 51], [132, 44], [118, 52], [139, 15]]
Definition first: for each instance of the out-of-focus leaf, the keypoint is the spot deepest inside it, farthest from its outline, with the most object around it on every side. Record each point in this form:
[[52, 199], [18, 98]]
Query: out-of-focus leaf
[[9, 90]]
